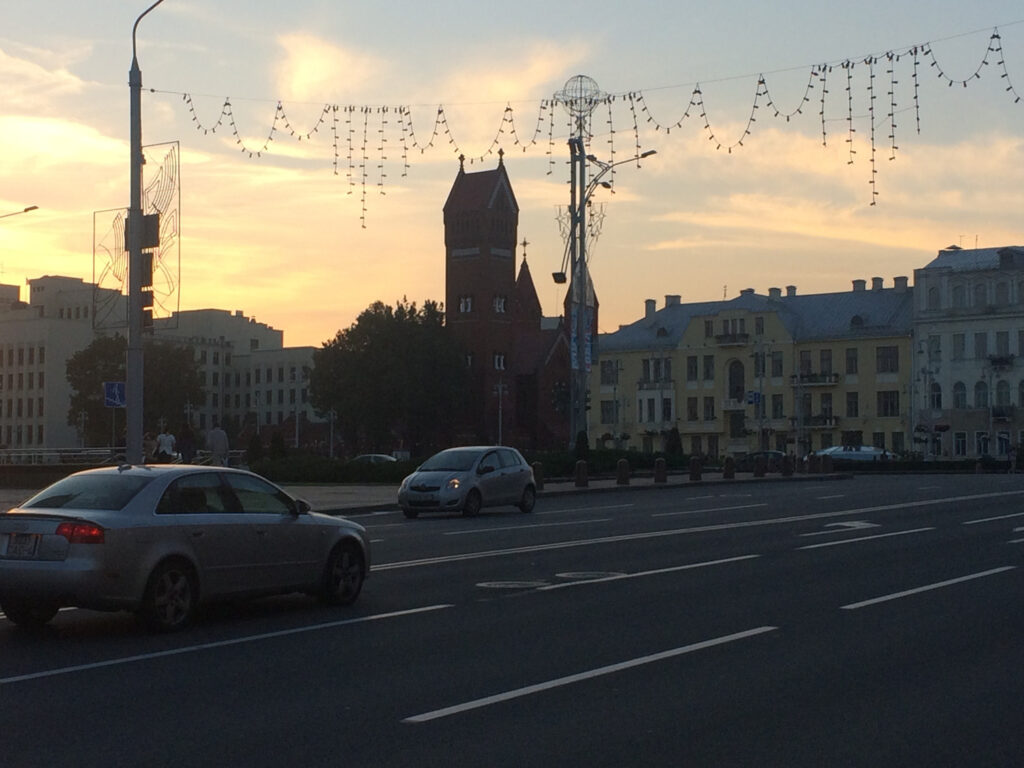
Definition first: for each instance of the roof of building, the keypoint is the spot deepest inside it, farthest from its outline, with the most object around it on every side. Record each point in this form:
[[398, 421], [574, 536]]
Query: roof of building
[[846, 315], [480, 190], [972, 259]]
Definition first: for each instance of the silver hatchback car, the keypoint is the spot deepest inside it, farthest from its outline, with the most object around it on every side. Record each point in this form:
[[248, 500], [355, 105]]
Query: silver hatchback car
[[162, 539], [467, 479]]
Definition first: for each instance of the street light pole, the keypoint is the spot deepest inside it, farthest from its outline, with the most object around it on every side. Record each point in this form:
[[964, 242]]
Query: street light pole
[[23, 210], [134, 358]]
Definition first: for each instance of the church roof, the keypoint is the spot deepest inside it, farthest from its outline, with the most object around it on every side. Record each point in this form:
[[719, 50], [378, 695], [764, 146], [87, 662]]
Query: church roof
[[526, 293], [481, 190]]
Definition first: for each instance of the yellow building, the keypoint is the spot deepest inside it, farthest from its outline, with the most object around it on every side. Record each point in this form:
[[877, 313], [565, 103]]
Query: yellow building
[[780, 371]]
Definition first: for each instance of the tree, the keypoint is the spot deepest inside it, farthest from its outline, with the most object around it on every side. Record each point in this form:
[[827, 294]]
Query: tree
[[395, 378], [171, 377]]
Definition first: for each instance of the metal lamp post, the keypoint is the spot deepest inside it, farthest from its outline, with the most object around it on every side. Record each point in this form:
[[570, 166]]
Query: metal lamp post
[[134, 359], [579, 96], [18, 213]]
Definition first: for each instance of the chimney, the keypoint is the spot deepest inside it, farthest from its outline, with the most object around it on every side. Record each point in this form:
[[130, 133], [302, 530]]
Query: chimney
[[900, 284], [791, 290], [649, 307], [876, 283], [747, 292], [774, 293], [859, 285], [672, 300]]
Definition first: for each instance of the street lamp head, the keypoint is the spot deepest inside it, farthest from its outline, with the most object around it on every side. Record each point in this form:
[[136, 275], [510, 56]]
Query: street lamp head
[[31, 208], [648, 153]]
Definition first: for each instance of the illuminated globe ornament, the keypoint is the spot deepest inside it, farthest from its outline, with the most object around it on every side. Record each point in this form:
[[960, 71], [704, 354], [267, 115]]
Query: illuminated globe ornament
[[579, 96]]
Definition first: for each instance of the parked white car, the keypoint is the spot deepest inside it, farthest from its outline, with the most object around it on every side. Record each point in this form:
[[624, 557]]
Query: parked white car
[[856, 453]]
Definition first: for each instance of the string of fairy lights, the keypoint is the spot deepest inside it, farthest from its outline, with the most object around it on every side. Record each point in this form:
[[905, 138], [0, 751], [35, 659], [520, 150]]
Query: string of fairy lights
[[362, 136]]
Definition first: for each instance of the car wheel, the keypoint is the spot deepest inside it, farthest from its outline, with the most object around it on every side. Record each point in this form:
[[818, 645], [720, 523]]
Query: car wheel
[[529, 499], [344, 574], [171, 595], [412, 514], [471, 506], [29, 616]]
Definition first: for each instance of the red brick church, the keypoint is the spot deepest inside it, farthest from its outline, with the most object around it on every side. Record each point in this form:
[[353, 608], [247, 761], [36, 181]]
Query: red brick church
[[519, 359]]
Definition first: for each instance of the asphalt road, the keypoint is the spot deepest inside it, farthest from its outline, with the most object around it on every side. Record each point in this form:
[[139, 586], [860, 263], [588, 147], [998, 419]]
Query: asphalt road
[[874, 621]]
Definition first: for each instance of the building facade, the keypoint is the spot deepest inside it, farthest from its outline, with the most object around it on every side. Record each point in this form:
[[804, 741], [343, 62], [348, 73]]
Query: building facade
[[781, 371], [252, 382], [967, 356]]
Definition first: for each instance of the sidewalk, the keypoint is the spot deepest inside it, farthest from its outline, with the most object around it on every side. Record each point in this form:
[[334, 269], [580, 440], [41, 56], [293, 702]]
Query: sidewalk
[[364, 499]]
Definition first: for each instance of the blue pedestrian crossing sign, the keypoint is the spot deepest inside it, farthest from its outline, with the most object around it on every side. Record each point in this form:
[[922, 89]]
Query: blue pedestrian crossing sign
[[114, 394]]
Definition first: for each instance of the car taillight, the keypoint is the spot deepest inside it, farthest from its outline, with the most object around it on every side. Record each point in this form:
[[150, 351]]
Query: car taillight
[[81, 533]]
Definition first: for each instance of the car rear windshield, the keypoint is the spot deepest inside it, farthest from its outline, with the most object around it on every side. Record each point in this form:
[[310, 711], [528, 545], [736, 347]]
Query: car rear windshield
[[88, 492], [454, 459]]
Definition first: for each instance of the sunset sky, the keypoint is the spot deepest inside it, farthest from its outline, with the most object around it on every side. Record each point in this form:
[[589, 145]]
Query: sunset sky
[[281, 233]]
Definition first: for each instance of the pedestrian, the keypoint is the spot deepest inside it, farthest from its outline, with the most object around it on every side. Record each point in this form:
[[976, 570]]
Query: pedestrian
[[148, 447], [186, 443], [1012, 456], [165, 447], [217, 445]]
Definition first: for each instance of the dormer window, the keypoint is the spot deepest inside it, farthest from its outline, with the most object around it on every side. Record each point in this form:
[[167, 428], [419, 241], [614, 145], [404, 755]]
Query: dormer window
[[499, 305], [465, 304]]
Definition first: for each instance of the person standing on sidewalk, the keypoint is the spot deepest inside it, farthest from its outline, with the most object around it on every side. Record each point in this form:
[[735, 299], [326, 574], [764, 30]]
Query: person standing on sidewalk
[[217, 445]]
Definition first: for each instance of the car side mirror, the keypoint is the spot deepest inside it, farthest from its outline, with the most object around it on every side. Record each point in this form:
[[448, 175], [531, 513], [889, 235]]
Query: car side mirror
[[302, 507]]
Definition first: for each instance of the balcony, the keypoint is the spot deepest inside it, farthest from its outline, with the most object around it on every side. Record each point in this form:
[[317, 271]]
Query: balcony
[[646, 384], [1003, 412], [814, 379], [821, 421], [1000, 362], [732, 339]]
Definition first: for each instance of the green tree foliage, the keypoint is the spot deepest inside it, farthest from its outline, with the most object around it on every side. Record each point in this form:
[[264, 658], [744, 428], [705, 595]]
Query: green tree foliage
[[395, 378], [171, 377]]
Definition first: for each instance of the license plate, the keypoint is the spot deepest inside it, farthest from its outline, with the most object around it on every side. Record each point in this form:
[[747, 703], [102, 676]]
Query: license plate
[[22, 544]]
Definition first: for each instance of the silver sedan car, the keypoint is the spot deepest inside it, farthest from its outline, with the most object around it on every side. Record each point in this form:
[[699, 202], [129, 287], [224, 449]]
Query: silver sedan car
[[467, 479], [162, 539]]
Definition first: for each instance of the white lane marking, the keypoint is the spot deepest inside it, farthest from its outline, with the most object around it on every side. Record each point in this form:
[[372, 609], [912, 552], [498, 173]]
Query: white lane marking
[[639, 574], [926, 588], [864, 538], [682, 531], [588, 675], [217, 644], [706, 509], [586, 509], [833, 496], [523, 527], [991, 519]]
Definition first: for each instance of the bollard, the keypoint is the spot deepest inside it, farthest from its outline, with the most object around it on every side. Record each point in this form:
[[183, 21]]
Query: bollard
[[581, 474], [826, 464], [760, 466], [538, 475], [729, 468], [787, 466], [695, 467], [622, 472], [814, 464], [660, 472]]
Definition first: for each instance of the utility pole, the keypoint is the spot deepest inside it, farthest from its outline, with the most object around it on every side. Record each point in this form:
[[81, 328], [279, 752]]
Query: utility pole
[[499, 390]]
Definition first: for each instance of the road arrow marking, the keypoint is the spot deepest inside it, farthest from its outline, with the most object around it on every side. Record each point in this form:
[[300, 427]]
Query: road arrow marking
[[852, 525]]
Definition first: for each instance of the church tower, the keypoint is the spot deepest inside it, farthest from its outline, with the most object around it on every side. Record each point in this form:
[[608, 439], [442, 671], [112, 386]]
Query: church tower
[[481, 217]]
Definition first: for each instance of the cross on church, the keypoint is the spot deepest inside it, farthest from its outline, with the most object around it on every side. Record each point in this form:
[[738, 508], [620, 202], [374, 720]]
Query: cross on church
[[524, 244]]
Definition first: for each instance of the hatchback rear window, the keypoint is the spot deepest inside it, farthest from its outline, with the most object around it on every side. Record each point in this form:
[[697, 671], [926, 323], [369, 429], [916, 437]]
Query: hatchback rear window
[[88, 492]]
